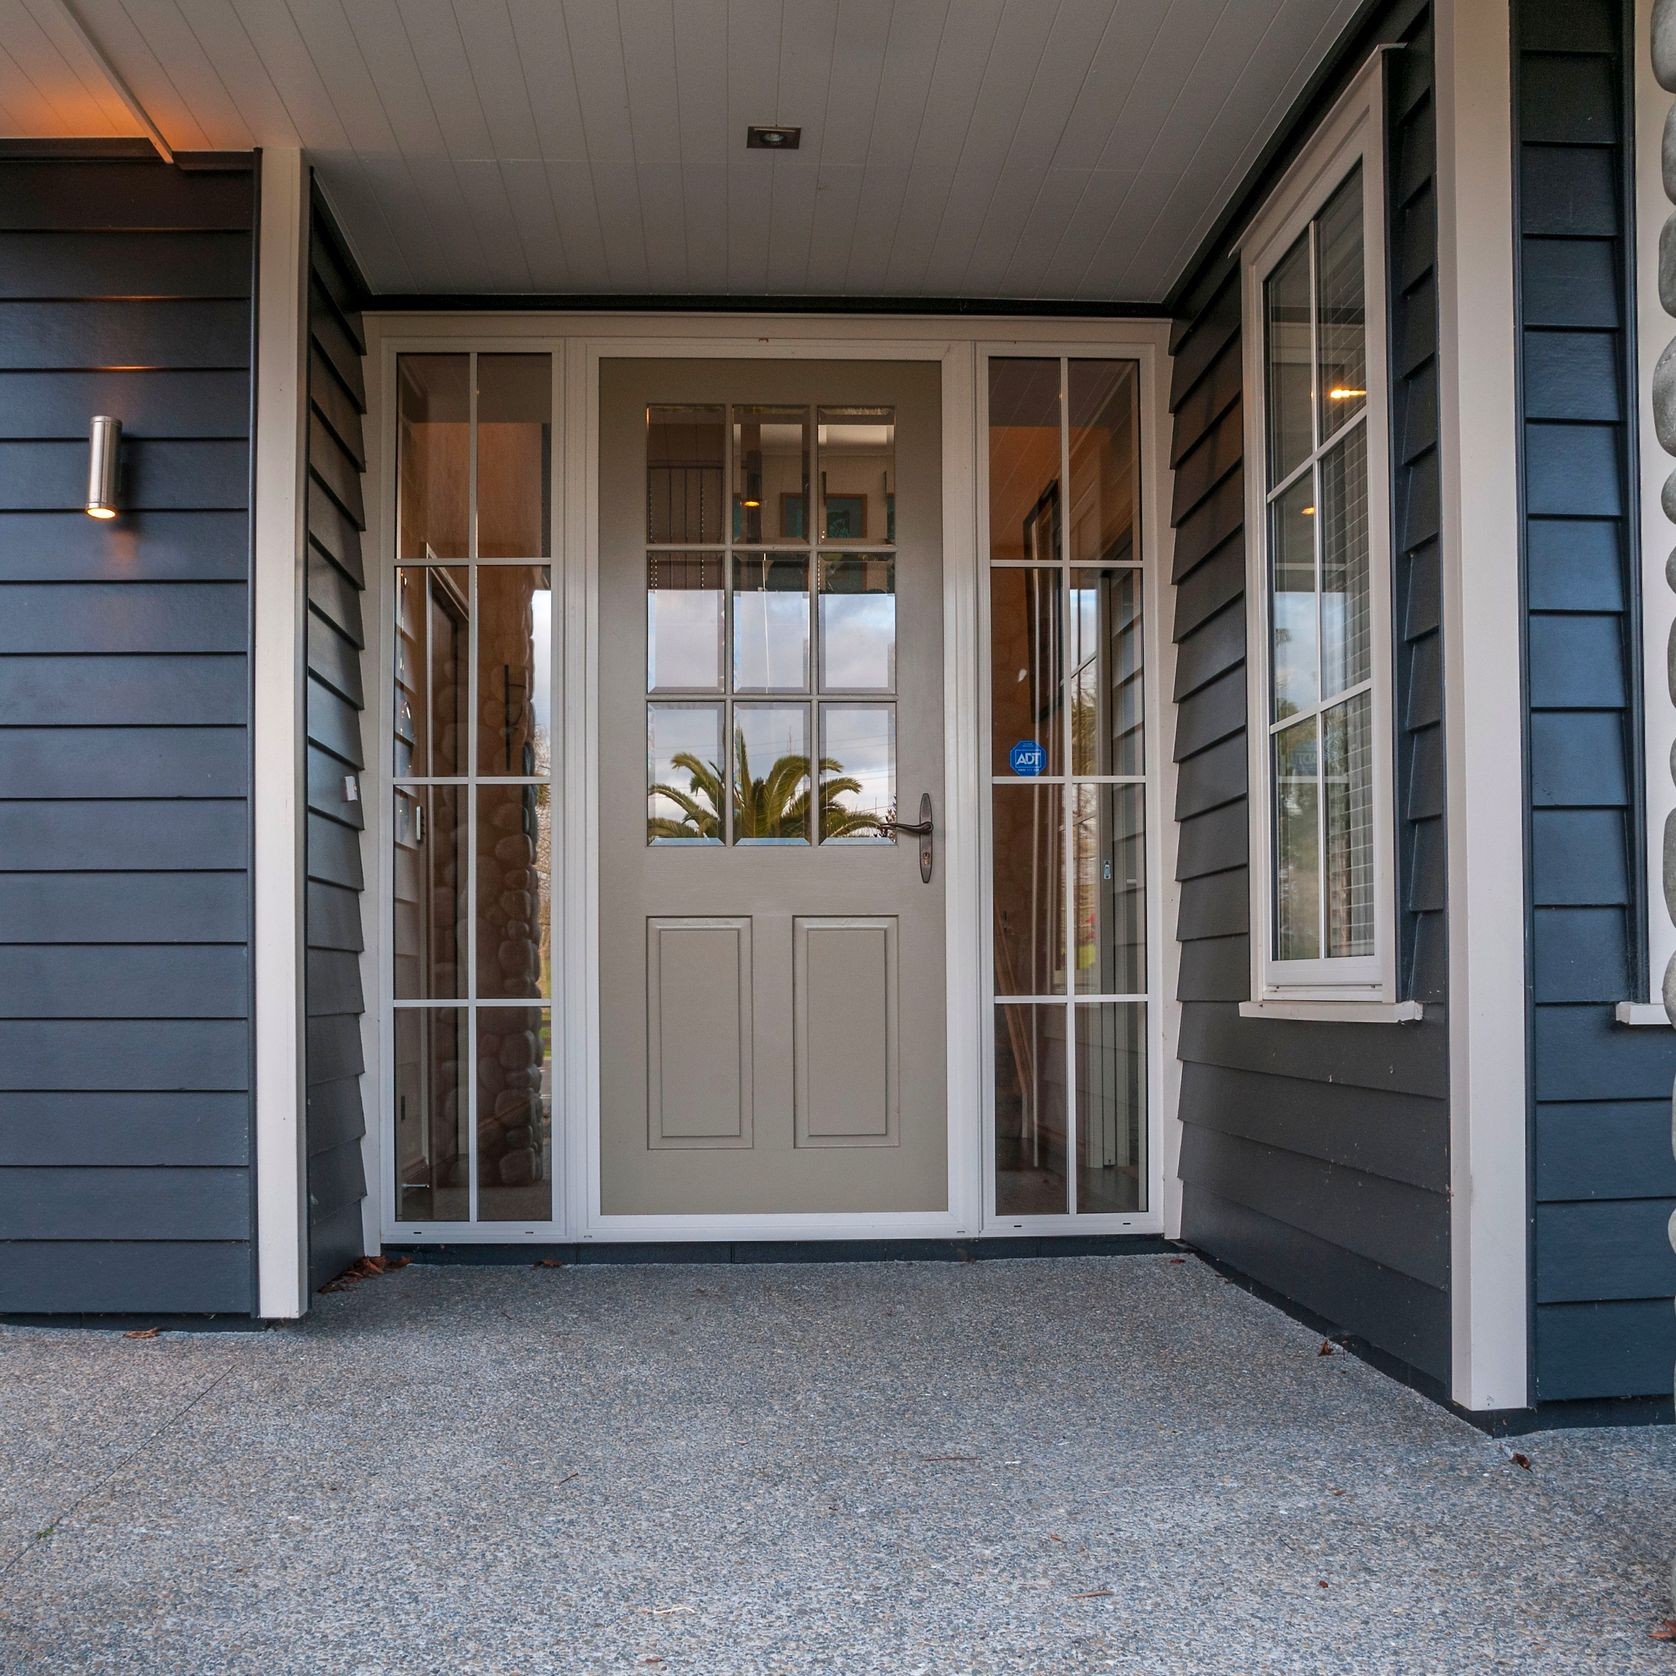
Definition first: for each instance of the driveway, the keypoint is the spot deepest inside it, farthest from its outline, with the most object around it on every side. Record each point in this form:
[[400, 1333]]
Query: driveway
[[1082, 1464]]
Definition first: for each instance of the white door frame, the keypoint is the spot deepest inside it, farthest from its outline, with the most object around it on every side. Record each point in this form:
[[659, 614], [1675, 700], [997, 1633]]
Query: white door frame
[[579, 343]]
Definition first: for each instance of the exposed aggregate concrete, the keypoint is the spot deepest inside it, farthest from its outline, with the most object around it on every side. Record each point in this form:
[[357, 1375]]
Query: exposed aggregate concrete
[[1087, 1464]]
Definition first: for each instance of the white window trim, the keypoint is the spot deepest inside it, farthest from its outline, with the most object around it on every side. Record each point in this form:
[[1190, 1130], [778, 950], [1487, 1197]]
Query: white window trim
[[1654, 329], [1354, 133]]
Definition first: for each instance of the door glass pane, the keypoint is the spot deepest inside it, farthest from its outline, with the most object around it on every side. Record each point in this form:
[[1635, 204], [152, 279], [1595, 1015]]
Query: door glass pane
[[1288, 353], [771, 774], [433, 1181], [1107, 679], [514, 417], [1026, 677], [1347, 746], [429, 889], [684, 622], [1108, 857], [514, 902], [514, 1114], [1346, 633], [1032, 1135], [1343, 318], [1028, 869], [770, 474], [514, 669], [770, 622], [858, 622], [857, 447], [433, 447], [1111, 1108], [685, 449], [684, 799], [1292, 609], [432, 625], [1297, 900], [858, 773], [1024, 459], [1104, 441]]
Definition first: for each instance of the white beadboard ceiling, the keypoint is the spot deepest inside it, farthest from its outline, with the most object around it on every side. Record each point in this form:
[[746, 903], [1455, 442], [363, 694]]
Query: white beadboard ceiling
[[1026, 149]]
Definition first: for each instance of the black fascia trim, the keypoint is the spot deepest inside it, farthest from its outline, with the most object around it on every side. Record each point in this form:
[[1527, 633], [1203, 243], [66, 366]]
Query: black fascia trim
[[82, 151], [1375, 22], [410, 302]]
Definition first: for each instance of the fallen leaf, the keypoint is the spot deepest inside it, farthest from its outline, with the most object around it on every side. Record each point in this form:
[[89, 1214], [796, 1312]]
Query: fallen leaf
[[548, 1263], [143, 1332], [1520, 1460], [1054, 1536], [1326, 1348], [1178, 1259], [397, 1262], [1665, 1632], [1321, 1582], [1092, 1594], [1341, 1492]]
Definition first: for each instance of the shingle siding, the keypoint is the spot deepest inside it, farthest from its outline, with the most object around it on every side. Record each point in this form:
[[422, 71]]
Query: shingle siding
[[125, 1047], [1315, 1155]]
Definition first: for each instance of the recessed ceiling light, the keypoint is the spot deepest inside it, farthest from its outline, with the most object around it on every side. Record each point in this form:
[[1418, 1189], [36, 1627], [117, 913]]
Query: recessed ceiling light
[[776, 138]]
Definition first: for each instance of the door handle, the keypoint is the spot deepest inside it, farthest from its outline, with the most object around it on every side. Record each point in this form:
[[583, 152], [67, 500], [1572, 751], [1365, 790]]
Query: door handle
[[923, 829]]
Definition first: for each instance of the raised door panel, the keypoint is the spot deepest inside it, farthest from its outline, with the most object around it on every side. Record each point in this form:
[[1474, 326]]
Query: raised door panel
[[844, 999], [698, 1033]]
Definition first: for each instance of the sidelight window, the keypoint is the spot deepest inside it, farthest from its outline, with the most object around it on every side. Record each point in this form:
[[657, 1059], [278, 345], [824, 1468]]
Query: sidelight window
[[471, 860], [1067, 766]]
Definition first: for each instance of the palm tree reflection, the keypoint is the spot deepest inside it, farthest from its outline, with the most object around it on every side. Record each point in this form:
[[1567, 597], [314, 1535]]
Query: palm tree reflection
[[771, 808]]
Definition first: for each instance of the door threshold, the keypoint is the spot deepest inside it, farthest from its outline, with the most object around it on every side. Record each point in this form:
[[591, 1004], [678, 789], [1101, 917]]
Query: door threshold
[[791, 1251]]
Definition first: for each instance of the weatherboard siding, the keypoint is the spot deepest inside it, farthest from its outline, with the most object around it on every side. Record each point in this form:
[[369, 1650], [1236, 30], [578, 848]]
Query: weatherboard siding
[[125, 1046], [1315, 1155], [1603, 1180], [335, 650]]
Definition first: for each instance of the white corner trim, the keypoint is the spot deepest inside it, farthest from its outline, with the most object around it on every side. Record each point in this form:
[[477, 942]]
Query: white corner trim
[[1482, 604], [1337, 1012], [1654, 329], [1644, 1015], [277, 808]]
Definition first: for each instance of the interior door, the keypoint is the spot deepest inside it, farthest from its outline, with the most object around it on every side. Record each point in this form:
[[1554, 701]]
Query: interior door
[[772, 1018]]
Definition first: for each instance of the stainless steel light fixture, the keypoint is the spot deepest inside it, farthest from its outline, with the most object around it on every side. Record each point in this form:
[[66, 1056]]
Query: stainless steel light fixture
[[104, 448], [774, 137]]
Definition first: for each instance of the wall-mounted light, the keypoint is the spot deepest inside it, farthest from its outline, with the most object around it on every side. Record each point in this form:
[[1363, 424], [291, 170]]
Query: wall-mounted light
[[104, 447]]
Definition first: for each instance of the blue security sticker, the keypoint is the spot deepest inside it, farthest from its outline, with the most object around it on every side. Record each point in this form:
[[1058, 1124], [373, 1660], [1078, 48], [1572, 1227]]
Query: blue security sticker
[[1027, 757]]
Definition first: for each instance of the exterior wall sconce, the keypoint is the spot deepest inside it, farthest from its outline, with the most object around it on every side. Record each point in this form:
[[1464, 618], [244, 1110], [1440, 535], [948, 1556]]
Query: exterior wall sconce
[[104, 447]]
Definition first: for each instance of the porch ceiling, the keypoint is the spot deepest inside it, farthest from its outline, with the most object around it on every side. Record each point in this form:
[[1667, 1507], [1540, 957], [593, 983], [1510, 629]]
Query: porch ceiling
[[1020, 149]]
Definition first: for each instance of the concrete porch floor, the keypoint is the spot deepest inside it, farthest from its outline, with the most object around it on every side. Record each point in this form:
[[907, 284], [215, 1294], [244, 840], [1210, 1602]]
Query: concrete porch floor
[[1047, 1466]]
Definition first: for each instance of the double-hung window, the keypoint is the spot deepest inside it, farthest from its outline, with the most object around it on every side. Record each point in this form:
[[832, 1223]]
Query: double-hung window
[[1319, 593]]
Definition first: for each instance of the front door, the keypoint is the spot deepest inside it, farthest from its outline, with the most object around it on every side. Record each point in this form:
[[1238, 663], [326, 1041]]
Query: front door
[[771, 694]]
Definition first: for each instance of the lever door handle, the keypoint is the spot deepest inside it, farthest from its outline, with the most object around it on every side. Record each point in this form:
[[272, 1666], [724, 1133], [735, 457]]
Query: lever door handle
[[923, 829]]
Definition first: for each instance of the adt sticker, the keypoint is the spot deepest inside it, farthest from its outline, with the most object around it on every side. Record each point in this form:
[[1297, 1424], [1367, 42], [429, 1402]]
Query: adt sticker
[[1027, 757]]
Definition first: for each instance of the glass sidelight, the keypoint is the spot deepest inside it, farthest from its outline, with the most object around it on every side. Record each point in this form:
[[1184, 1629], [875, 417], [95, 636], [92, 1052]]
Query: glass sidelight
[[1068, 765], [472, 822]]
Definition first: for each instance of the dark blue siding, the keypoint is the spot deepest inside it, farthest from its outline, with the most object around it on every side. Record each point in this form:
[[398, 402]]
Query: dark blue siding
[[1602, 1174], [1315, 1156], [125, 1173], [335, 693]]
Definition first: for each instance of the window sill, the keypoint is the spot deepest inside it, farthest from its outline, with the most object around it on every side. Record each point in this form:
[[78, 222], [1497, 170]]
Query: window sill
[[1337, 1012], [1642, 1013]]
